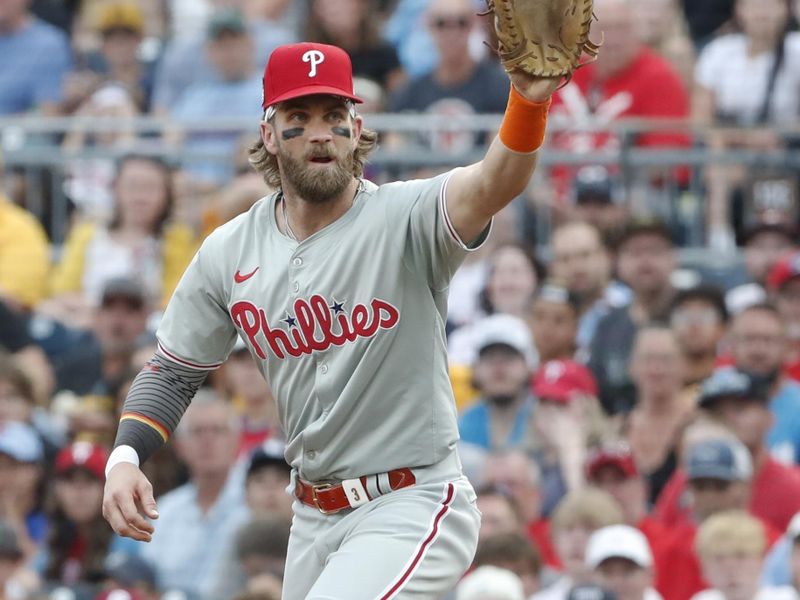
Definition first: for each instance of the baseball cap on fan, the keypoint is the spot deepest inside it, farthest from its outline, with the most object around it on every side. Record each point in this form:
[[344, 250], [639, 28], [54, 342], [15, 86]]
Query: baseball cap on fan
[[508, 331], [84, 456], [559, 379], [618, 541], [305, 69]]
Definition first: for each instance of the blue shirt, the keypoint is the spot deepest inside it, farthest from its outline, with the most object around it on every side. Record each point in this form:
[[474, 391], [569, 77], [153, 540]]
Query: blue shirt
[[217, 99], [473, 427], [783, 439], [34, 60], [188, 545]]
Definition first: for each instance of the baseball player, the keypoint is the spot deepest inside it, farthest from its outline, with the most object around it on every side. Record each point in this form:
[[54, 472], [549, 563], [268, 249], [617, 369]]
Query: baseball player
[[338, 287]]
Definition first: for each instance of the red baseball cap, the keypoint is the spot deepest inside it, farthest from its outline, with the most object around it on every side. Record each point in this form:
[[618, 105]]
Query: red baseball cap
[[304, 69], [83, 455], [560, 379], [784, 270], [618, 456]]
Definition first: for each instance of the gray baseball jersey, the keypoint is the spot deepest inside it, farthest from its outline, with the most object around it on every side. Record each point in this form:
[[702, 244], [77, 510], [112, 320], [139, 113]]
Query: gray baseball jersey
[[348, 325]]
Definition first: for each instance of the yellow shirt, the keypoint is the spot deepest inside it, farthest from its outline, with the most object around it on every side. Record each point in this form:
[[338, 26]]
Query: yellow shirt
[[24, 255]]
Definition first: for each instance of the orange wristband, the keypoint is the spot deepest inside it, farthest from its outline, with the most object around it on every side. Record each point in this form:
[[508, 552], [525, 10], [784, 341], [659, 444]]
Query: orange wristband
[[524, 123]]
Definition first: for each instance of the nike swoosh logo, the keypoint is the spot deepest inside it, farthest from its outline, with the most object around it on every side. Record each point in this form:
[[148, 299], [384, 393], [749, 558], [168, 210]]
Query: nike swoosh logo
[[239, 278]]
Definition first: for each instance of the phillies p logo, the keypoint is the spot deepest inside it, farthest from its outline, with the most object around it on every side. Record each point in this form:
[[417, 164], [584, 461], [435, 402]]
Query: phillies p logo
[[314, 57]]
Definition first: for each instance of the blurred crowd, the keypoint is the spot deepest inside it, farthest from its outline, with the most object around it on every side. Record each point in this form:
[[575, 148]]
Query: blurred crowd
[[630, 420]]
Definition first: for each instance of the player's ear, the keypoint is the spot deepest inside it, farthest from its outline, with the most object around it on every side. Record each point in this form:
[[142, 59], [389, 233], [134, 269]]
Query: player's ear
[[269, 137], [358, 125]]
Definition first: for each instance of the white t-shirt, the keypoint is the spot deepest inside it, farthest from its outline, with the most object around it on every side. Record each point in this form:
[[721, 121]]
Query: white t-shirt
[[740, 81], [766, 593]]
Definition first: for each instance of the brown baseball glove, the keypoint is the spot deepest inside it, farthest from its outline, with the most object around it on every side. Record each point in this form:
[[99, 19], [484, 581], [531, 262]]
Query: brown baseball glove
[[544, 38]]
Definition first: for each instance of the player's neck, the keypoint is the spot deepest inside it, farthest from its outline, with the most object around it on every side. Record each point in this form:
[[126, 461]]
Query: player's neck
[[306, 218]]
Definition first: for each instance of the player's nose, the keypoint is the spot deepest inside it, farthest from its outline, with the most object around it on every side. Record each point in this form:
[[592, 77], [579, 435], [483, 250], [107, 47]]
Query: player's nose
[[319, 133]]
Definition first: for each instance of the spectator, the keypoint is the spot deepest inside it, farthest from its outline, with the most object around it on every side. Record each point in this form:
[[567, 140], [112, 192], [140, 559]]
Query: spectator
[[205, 508], [16, 340], [24, 255], [698, 318], [185, 61], [582, 262], [758, 343], [628, 80], [120, 24], [764, 245], [598, 201], [459, 86], [231, 93], [139, 242], [78, 540], [568, 419], [645, 261], [784, 283], [261, 546], [731, 547], [490, 583], [737, 401], [252, 397], [771, 57], [512, 277], [720, 477], [622, 561], [266, 481], [119, 320], [515, 552], [579, 514], [90, 180], [612, 468], [21, 475], [352, 25], [554, 322], [36, 57], [517, 473], [768, 54], [661, 411], [499, 512], [662, 27], [502, 416]]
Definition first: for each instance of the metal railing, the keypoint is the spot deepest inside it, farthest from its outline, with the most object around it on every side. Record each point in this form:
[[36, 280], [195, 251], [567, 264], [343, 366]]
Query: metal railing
[[32, 147]]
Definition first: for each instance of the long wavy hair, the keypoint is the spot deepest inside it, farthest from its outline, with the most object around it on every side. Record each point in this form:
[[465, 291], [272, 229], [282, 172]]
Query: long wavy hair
[[266, 163]]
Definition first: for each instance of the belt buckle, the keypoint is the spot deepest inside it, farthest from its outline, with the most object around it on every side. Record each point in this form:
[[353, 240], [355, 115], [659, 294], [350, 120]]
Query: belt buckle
[[319, 487]]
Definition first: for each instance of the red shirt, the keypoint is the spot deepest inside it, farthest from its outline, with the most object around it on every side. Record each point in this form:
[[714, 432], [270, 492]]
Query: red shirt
[[539, 534], [648, 88], [775, 496]]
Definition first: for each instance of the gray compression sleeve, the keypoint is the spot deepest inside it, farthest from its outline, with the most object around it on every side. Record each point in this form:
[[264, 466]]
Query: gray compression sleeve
[[156, 402]]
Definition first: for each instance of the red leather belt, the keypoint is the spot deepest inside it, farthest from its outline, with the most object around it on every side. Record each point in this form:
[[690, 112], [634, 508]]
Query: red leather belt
[[331, 498]]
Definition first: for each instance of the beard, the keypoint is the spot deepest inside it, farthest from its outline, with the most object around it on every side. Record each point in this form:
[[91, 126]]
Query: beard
[[317, 185]]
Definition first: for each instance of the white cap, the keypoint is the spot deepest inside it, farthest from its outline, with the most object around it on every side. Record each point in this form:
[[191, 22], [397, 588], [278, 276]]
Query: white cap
[[490, 583], [618, 541], [508, 331]]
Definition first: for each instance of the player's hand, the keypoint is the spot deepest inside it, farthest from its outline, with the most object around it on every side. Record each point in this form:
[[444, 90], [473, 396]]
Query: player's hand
[[535, 89], [127, 500]]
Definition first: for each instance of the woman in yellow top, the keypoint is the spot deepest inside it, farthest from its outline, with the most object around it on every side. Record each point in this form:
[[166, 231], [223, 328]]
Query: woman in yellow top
[[140, 241]]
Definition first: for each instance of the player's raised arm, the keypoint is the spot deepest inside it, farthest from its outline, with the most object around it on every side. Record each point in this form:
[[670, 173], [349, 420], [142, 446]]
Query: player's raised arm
[[540, 43], [480, 190]]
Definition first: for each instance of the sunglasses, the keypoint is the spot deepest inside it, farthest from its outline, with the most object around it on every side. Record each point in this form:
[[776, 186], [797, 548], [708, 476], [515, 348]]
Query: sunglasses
[[442, 23]]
